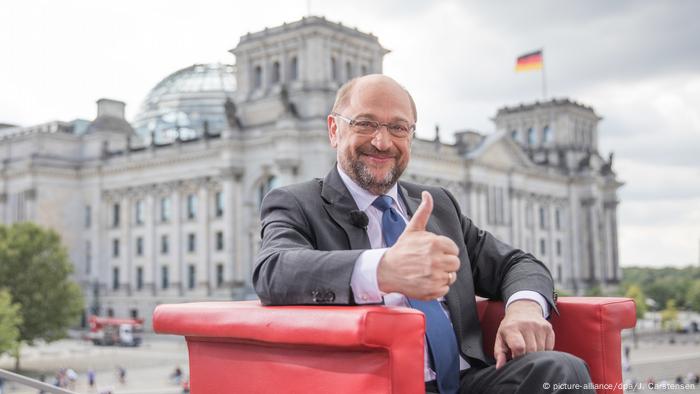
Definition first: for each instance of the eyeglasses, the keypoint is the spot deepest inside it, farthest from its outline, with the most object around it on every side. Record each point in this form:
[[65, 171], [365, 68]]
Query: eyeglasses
[[369, 127]]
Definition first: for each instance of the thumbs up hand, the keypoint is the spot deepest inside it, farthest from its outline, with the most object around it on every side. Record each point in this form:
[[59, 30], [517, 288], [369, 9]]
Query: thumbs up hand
[[420, 265]]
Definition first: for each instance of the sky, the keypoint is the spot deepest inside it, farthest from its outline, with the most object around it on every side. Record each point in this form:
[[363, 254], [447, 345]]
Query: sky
[[637, 63]]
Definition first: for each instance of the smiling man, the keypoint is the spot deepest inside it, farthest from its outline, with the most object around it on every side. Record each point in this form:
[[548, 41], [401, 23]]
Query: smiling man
[[361, 236]]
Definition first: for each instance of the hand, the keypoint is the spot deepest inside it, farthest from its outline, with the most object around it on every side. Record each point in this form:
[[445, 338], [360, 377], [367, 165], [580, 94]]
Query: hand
[[420, 265], [523, 330]]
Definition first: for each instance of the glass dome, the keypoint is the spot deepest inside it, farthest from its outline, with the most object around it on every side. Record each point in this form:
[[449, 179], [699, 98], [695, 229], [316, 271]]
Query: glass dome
[[186, 102]]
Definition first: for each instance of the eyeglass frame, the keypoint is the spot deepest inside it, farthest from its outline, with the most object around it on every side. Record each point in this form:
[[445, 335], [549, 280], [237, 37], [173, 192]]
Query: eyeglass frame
[[351, 123]]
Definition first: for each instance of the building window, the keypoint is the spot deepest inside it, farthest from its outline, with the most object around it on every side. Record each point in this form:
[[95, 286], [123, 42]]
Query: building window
[[191, 271], [115, 248], [191, 206], [88, 257], [559, 248], [547, 134], [334, 69], [164, 244], [543, 250], [164, 278], [265, 187], [138, 212], [134, 313], [115, 278], [191, 242], [514, 135], [543, 218], [294, 69], [531, 137], [219, 204], [275, 72], [88, 216], [219, 240], [557, 219], [257, 75], [219, 275], [348, 70], [165, 209], [110, 312], [115, 215], [364, 70], [139, 246], [139, 278]]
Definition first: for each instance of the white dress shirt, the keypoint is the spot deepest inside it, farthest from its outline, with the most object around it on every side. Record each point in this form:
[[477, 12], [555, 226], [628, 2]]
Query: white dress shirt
[[364, 277]]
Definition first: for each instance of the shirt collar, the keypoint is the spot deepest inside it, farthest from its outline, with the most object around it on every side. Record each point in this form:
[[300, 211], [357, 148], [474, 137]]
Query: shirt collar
[[362, 197]]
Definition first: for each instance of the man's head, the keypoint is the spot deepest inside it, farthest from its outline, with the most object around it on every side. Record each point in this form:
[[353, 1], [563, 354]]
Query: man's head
[[375, 161]]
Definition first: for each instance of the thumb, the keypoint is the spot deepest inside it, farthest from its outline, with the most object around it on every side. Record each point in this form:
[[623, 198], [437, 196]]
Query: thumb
[[422, 214]]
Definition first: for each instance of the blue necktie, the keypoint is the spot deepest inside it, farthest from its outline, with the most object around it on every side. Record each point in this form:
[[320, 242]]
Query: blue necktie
[[441, 339]]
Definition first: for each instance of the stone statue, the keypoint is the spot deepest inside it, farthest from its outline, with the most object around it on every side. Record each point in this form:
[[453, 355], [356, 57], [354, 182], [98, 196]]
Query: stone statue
[[287, 104], [231, 117]]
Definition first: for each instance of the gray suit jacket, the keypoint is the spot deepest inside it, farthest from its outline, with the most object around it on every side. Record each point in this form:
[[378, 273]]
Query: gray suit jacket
[[309, 248]]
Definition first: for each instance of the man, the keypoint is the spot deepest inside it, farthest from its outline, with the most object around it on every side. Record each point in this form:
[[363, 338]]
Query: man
[[359, 236]]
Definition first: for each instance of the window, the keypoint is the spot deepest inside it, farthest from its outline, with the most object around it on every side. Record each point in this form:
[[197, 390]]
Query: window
[[257, 75], [164, 244], [275, 72], [543, 251], [557, 219], [219, 275], [191, 271], [559, 248], [110, 312], [334, 69], [115, 215], [88, 216], [115, 278], [88, 257], [531, 137], [294, 69], [191, 242], [219, 240], [115, 248], [165, 209], [547, 134], [364, 70], [139, 246], [138, 212], [348, 70], [543, 218], [265, 187], [134, 313], [191, 206], [219, 204], [514, 135], [164, 279], [139, 278]]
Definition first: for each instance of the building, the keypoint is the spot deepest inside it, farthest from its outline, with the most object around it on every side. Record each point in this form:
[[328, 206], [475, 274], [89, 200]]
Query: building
[[165, 209]]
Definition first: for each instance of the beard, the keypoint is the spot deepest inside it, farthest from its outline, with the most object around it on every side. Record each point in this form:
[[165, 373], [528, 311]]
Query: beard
[[362, 174]]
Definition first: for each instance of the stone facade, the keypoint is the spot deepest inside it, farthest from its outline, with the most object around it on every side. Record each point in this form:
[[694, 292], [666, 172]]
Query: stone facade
[[148, 223]]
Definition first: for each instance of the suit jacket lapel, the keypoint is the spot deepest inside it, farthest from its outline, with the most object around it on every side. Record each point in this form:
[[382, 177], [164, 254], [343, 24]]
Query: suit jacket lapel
[[453, 297], [338, 202]]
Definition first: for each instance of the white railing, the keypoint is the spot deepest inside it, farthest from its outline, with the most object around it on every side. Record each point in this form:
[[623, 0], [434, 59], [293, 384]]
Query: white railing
[[13, 377]]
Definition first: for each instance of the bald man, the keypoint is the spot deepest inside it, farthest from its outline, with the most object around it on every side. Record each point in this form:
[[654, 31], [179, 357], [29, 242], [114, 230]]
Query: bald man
[[361, 236]]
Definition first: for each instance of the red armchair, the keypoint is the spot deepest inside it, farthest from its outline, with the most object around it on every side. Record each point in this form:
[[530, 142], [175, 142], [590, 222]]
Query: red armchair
[[243, 347]]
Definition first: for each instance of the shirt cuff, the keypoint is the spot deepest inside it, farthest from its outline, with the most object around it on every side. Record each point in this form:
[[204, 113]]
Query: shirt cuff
[[363, 282], [530, 295]]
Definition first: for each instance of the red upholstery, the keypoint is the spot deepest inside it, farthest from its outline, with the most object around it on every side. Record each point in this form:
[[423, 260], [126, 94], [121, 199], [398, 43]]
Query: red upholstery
[[243, 347]]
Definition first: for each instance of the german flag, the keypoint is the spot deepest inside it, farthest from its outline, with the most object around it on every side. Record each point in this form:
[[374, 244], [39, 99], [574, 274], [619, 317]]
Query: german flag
[[529, 61]]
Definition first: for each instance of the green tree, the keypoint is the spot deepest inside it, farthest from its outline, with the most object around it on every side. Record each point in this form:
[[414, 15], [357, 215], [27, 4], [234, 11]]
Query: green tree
[[635, 292], [34, 267], [669, 316], [10, 319]]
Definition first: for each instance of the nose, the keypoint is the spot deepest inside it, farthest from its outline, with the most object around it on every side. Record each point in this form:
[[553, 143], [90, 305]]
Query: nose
[[382, 139]]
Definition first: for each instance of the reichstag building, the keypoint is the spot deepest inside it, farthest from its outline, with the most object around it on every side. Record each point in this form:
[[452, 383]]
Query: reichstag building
[[165, 208]]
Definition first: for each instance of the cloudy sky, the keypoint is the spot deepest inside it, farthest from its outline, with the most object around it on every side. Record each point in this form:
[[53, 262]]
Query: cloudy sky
[[636, 62]]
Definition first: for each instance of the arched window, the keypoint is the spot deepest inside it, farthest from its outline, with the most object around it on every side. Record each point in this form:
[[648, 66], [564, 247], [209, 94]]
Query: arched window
[[531, 137], [547, 134], [294, 69], [257, 77], [275, 72]]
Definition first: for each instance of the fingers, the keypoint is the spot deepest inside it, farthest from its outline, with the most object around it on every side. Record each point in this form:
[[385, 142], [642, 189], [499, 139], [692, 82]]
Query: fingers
[[549, 342], [422, 214], [500, 352]]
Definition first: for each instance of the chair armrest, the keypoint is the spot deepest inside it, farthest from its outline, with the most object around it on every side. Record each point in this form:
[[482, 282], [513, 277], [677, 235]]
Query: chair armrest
[[246, 347], [588, 327]]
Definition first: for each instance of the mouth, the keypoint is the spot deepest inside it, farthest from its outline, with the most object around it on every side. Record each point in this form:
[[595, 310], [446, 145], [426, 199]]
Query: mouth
[[378, 158]]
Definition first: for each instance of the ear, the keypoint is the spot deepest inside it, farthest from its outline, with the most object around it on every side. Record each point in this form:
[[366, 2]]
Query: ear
[[332, 131]]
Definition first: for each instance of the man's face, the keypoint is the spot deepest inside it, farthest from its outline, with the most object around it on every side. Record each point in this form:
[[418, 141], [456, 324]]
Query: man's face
[[376, 161]]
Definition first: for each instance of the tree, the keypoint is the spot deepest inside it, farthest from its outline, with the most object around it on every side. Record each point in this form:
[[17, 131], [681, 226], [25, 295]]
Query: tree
[[635, 292], [693, 296], [669, 316], [10, 319], [34, 267]]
